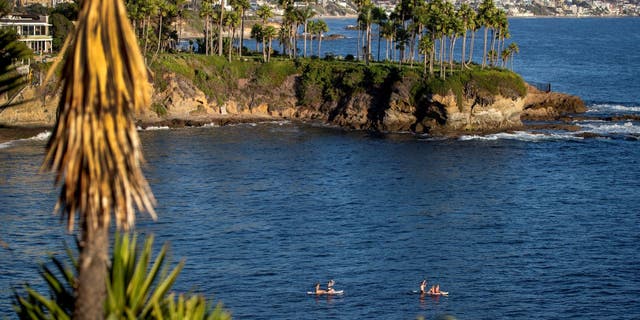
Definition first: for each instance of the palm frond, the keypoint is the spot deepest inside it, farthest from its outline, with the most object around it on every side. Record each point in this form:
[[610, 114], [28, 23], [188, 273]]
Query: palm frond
[[11, 51], [95, 148]]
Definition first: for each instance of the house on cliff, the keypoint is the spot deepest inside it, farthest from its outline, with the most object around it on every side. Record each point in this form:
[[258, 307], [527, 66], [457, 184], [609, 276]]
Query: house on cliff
[[33, 30]]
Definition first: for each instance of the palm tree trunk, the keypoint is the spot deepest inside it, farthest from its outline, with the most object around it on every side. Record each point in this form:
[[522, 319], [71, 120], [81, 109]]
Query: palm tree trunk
[[91, 292], [451, 50], [241, 33], [159, 39], [319, 43], [484, 52], [220, 28], [305, 38], [473, 38], [464, 50], [232, 32]]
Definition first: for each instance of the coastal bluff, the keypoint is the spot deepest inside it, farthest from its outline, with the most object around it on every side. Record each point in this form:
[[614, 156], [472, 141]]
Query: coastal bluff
[[347, 97]]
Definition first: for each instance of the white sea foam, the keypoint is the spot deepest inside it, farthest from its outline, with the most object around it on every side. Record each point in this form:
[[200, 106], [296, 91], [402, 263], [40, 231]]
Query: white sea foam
[[153, 128], [522, 136], [211, 125], [609, 128], [617, 108], [42, 136]]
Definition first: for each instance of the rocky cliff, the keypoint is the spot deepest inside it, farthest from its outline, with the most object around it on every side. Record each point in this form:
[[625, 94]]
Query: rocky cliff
[[393, 107]]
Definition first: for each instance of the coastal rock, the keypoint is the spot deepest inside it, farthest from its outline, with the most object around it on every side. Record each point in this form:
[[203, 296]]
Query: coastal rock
[[36, 110], [541, 105], [392, 109]]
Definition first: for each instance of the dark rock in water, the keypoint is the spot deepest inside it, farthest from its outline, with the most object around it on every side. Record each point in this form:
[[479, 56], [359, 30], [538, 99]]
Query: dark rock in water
[[587, 135]]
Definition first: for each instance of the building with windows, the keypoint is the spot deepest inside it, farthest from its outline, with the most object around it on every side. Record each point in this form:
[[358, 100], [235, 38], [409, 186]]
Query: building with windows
[[33, 30]]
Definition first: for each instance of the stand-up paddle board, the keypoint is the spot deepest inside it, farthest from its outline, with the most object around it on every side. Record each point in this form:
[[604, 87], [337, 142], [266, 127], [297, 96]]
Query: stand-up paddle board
[[441, 293], [327, 293]]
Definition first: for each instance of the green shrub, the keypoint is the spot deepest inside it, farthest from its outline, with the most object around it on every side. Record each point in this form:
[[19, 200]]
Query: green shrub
[[136, 289], [159, 109]]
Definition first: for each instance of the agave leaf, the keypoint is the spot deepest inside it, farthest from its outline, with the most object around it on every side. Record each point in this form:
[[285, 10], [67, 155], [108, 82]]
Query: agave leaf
[[115, 287], [67, 273], [52, 281], [55, 311], [153, 272], [163, 287], [136, 290]]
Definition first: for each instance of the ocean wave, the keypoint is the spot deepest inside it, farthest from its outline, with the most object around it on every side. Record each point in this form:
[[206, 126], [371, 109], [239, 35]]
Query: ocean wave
[[211, 125], [153, 128], [607, 107], [625, 128], [42, 136], [521, 136]]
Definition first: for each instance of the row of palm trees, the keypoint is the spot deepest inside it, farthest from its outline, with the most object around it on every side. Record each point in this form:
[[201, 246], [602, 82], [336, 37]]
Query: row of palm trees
[[432, 29], [415, 28]]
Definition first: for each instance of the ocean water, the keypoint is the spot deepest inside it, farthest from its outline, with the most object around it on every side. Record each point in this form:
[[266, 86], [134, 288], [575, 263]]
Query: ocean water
[[522, 225]]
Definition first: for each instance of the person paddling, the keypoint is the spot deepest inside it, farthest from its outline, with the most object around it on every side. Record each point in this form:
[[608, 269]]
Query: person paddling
[[319, 290], [423, 286], [330, 289]]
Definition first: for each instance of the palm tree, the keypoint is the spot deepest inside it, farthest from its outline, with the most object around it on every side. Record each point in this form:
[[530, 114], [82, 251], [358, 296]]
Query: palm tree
[[256, 33], [206, 12], [379, 18], [220, 25], [454, 29], [231, 21], [359, 5], [320, 28], [269, 33], [365, 20], [474, 26], [387, 32], [265, 13], [466, 16], [241, 6], [426, 49], [486, 16], [513, 49], [304, 15], [94, 147]]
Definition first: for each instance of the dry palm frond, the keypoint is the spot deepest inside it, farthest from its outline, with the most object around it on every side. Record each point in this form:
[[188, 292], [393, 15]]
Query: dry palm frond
[[95, 148]]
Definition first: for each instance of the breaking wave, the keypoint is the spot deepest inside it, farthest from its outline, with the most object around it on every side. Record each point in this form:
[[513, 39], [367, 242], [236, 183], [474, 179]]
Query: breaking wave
[[612, 108], [42, 136], [521, 136]]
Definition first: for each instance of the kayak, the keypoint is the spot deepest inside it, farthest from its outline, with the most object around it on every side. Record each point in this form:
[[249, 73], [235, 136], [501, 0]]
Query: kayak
[[327, 293]]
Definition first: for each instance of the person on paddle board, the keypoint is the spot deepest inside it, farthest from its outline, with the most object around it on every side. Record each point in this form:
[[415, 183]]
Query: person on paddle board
[[423, 286], [330, 286], [318, 290]]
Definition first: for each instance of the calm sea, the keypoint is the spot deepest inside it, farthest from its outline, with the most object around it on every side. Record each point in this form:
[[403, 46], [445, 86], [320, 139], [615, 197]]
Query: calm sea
[[526, 225]]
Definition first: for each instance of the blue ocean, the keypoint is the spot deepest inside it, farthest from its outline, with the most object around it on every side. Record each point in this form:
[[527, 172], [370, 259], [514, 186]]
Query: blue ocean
[[520, 225]]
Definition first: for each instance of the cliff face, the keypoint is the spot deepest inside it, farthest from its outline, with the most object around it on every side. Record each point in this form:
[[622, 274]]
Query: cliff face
[[393, 108]]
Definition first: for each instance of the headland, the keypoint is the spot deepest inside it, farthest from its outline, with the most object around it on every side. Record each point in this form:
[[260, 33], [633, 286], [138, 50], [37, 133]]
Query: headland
[[193, 90]]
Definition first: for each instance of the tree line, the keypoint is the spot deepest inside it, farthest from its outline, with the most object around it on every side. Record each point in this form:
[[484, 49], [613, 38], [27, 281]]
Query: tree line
[[416, 30]]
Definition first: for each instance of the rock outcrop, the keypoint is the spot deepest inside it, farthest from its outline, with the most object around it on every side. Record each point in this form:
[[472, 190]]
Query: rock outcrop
[[540, 105], [181, 102]]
